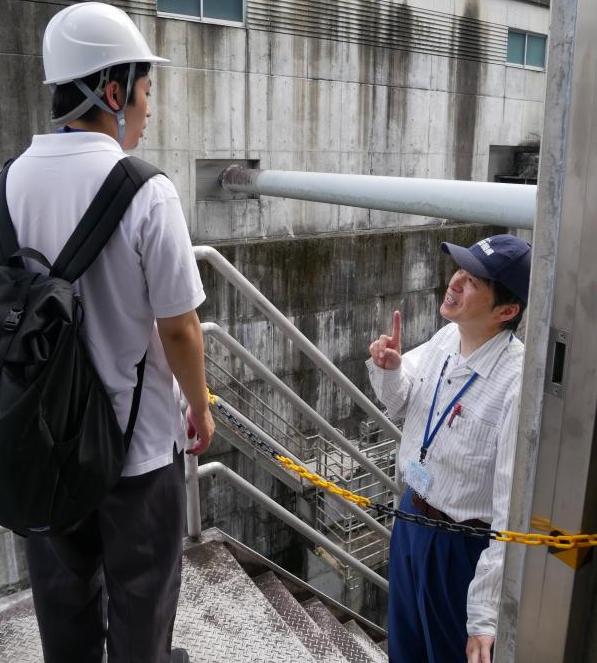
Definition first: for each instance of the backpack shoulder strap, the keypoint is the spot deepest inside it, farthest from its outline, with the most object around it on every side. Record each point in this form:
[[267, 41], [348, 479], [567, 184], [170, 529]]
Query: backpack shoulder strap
[[8, 236], [102, 217]]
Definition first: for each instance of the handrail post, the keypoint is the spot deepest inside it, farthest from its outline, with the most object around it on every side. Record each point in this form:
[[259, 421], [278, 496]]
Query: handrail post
[[193, 499]]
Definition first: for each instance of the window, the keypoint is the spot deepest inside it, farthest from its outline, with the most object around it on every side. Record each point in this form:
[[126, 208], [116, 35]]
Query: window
[[526, 49], [517, 164], [225, 11]]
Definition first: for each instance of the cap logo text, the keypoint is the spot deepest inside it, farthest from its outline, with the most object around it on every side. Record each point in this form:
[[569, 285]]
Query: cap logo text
[[484, 245]]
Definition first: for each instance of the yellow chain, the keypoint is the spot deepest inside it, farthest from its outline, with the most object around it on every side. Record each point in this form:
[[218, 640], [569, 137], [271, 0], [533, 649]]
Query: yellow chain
[[320, 482], [561, 542], [211, 397]]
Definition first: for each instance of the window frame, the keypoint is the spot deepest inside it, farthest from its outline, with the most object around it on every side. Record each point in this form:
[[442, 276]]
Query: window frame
[[526, 34], [203, 19]]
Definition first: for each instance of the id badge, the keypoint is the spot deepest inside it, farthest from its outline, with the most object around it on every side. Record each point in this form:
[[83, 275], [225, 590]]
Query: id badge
[[418, 477]]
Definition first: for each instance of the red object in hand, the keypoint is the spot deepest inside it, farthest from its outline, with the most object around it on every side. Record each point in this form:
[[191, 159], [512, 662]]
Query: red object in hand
[[456, 412]]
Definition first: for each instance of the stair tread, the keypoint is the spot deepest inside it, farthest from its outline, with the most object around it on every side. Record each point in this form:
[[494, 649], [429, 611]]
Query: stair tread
[[342, 639], [221, 618], [291, 611], [370, 647], [19, 634]]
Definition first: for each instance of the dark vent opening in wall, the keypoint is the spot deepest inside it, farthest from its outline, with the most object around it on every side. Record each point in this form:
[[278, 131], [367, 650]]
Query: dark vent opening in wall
[[516, 164], [207, 174]]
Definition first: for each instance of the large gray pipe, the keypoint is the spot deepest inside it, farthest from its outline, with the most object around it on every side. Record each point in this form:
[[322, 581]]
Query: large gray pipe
[[508, 205]]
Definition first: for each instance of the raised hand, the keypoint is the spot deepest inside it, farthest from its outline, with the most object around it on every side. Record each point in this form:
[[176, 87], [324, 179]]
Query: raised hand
[[386, 351]]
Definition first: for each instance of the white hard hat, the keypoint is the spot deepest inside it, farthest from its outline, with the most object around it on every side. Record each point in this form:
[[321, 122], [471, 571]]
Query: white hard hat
[[89, 37]]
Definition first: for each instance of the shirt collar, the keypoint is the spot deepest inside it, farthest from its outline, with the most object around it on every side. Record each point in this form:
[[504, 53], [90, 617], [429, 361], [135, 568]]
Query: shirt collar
[[484, 358], [75, 142]]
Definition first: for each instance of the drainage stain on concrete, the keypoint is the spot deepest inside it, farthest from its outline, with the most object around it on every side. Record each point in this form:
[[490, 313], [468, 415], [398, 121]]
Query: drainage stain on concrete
[[465, 74]]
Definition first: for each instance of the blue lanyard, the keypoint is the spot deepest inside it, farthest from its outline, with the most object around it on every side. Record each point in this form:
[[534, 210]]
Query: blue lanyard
[[430, 436]]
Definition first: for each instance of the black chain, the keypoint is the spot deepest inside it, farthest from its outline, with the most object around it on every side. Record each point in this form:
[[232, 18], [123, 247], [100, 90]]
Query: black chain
[[417, 519], [264, 446]]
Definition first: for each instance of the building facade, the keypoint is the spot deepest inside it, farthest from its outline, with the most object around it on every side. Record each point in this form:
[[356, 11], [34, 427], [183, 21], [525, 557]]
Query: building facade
[[422, 88]]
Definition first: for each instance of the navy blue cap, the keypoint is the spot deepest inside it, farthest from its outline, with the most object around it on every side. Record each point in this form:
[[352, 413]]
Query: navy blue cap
[[502, 258]]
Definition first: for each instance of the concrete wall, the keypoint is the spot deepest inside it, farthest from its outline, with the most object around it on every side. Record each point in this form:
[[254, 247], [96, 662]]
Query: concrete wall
[[303, 103]]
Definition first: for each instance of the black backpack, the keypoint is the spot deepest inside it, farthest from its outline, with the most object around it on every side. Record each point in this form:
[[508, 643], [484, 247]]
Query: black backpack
[[61, 448]]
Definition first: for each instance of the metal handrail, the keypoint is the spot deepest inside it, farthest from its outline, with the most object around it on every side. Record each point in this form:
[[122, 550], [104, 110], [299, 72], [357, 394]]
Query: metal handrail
[[260, 401], [362, 515], [268, 376], [232, 275], [219, 469], [254, 428]]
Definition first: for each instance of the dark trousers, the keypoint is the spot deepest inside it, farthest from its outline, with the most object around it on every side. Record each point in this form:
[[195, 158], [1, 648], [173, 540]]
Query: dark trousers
[[429, 575], [130, 549]]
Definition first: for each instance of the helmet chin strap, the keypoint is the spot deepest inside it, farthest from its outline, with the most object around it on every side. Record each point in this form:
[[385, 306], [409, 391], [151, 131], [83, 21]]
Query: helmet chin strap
[[93, 99], [84, 106]]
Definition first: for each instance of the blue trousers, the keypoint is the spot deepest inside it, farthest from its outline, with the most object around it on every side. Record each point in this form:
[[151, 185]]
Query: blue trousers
[[429, 575]]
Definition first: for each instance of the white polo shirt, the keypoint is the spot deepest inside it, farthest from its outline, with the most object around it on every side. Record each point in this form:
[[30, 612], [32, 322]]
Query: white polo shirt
[[146, 271]]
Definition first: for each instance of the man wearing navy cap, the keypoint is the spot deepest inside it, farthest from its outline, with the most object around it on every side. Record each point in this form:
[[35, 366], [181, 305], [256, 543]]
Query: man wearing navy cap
[[458, 394]]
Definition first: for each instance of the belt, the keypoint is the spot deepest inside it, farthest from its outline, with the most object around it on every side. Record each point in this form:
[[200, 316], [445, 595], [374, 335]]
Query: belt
[[435, 514]]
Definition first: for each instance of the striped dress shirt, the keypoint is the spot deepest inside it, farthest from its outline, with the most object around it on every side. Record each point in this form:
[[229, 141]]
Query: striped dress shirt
[[470, 460]]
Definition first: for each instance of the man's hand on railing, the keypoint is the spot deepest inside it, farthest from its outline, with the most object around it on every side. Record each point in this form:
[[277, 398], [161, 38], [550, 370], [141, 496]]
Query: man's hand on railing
[[200, 427], [386, 351]]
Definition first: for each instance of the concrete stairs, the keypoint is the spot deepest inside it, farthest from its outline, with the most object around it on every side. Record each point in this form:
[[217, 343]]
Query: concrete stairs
[[234, 606]]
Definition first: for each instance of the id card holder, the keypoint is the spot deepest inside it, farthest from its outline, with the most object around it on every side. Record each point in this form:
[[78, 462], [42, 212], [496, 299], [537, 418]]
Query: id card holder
[[418, 477]]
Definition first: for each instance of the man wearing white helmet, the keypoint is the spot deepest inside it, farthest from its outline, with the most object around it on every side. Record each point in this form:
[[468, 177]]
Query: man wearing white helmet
[[139, 297]]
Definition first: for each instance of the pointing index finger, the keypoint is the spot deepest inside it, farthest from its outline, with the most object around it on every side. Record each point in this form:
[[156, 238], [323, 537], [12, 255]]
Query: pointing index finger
[[396, 331]]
